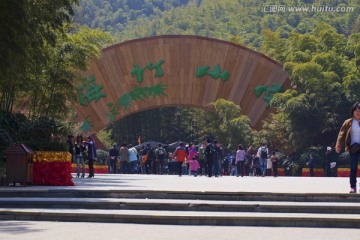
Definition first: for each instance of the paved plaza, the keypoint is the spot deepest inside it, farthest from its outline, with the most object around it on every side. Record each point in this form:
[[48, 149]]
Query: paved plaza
[[37, 230], [202, 183]]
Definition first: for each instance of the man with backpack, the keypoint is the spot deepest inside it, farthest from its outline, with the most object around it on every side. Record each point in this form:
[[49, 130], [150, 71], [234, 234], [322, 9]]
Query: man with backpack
[[160, 154], [263, 153]]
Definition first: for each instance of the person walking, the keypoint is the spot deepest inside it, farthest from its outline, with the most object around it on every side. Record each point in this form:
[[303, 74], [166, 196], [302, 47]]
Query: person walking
[[160, 154], [90, 143], [181, 156], [274, 161], [142, 156], [124, 158], [113, 154], [79, 156], [240, 159], [194, 167], [192, 153], [263, 153], [217, 162], [227, 163], [150, 163], [269, 166], [233, 171], [202, 162], [349, 135], [210, 156], [133, 159]]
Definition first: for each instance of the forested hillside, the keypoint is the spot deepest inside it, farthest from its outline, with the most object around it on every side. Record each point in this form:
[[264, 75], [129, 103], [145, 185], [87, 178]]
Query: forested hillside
[[214, 18], [114, 15]]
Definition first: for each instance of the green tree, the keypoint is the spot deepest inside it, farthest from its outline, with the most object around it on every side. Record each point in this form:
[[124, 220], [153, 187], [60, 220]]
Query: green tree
[[26, 26]]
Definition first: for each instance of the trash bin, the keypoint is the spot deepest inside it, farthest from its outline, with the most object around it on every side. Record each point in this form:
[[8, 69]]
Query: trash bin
[[19, 164]]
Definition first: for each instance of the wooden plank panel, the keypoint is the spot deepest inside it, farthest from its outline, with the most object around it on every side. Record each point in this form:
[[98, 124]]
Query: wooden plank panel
[[182, 55], [257, 77]]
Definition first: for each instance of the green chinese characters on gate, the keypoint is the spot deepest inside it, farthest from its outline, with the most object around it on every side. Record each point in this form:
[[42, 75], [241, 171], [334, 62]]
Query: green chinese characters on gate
[[139, 72], [215, 74], [269, 92], [89, 91]]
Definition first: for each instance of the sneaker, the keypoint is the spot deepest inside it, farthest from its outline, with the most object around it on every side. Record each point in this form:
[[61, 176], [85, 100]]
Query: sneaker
[[352, 190]]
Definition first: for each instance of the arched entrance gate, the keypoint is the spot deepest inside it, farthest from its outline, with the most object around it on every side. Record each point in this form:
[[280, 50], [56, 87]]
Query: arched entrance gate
[[176, 71]]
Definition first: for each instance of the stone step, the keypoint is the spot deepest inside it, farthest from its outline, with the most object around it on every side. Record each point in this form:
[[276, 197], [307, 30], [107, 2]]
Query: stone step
[[185, 217], [182, 205], [165, 194]]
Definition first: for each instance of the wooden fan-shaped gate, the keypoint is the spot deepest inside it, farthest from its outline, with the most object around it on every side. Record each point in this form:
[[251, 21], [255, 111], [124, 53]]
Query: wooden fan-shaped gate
[[176, 71]]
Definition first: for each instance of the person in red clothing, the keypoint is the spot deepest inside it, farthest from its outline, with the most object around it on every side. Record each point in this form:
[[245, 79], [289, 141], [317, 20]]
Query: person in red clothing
[[180, 154]]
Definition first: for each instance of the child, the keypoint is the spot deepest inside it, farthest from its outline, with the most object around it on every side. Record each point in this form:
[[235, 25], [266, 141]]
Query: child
[[226, 163], [233, 171], [194, 166]]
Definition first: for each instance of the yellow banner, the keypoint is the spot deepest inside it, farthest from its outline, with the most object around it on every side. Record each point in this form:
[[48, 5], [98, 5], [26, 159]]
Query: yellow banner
[[52, 157]]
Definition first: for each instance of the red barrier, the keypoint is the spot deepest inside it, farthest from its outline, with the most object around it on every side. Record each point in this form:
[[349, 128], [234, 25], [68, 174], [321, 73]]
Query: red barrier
[[101, 169], [52, 174], [318, 172]]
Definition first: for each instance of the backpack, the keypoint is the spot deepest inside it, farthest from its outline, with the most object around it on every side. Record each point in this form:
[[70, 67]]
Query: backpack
[[212, 152], [263, 153], [151, 154], [161, 153]]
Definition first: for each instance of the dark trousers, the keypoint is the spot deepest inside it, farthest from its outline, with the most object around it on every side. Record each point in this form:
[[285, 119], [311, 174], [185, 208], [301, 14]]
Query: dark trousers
[[179, 168], [91, 167], [354, 159], [240, 168], [202, 166], [311, 171], [153, 166], [206, 166], [160, 165], [328, 170], [275, 168], [210, 166], [113, 165]]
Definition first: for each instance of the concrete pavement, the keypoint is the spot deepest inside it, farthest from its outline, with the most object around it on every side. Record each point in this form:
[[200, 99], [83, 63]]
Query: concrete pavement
[[190, 183], [29, 230]]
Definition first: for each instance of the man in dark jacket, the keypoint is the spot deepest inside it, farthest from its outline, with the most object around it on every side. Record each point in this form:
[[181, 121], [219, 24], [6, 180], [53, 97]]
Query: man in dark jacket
[[113, 154], [210, 156], [70, 142], [90, 143]]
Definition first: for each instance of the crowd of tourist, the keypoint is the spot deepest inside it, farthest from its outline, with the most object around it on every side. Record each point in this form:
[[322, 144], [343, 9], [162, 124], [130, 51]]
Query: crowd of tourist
[[206, 159]]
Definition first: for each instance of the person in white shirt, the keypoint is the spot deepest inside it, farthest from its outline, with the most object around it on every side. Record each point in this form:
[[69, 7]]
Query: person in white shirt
[[240, 159], [349, 136]]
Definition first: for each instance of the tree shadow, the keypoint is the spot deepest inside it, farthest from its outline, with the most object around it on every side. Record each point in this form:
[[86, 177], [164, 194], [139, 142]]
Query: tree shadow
[[17, 227]]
